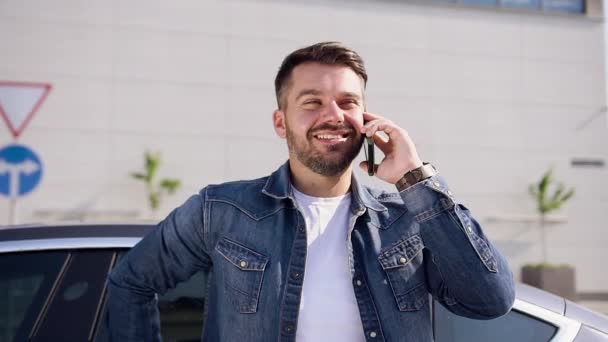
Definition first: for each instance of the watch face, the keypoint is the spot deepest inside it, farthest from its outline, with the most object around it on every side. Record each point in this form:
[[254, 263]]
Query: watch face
[[417, 173]]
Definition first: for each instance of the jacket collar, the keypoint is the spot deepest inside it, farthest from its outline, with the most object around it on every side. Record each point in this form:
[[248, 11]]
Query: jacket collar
[[278, 186]]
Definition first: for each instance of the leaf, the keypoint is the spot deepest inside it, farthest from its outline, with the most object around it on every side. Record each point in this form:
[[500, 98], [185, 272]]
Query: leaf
[[558, 193], [550, 201], [544, 182], [152, 164], [171, 185], [567, 196]]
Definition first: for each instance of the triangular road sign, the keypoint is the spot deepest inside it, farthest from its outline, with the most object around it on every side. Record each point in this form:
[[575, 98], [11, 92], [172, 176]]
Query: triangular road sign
[[19, 101]]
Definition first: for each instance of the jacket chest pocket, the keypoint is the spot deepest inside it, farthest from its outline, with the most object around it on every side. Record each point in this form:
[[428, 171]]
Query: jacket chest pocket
[[243, 273], [401, 262]]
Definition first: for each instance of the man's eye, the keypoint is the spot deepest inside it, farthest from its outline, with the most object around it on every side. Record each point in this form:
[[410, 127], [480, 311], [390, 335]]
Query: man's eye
[[312, 102], [349, 102]]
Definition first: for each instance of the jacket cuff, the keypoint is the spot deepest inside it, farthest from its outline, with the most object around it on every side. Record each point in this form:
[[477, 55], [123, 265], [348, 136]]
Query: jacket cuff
[[428, 196]]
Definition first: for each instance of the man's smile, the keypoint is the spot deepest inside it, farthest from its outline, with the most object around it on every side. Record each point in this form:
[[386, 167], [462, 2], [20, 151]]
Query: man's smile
[[332, 137]]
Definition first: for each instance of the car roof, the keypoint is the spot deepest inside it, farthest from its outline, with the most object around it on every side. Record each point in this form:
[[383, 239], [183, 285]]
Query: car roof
[[76, 230], [71, 236]]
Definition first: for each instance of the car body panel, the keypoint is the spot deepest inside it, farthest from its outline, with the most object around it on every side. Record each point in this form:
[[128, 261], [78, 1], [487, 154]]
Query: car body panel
[[586, 316], [541, 298], [574, 322], [588, 334]]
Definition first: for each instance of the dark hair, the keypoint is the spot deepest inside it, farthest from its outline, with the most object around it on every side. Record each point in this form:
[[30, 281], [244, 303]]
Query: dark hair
[[329, 53]]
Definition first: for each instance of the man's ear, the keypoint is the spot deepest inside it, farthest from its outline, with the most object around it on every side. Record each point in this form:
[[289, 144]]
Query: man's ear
[[278, 120]]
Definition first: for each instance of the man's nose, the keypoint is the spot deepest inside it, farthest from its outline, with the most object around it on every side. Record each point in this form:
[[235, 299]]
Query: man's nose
[[333, 112]]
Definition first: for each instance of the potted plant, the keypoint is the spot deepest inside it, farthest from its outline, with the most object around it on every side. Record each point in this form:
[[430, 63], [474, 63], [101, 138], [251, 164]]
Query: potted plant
[[156, 190], [558, 279]]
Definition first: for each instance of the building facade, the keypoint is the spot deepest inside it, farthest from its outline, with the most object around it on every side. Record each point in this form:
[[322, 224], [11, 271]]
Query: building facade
[[493, 93]]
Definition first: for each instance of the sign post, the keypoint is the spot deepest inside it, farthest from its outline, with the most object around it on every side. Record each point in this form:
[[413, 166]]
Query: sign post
[[20, 167]]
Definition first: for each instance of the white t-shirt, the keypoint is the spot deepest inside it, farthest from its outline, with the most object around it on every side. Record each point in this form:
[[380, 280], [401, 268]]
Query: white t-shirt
[[328, 308]]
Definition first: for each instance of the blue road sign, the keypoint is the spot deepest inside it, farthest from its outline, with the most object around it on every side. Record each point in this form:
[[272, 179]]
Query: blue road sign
[[20, 170]]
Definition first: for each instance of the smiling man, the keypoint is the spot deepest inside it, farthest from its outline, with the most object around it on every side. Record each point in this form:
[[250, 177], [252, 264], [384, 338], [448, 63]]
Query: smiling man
[[308, 253]]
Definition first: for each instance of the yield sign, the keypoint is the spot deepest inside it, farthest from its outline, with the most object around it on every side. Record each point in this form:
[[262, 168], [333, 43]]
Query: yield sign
[[19, 101]]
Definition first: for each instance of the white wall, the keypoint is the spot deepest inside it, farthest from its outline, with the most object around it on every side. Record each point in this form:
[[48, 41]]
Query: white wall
[[492, 98]]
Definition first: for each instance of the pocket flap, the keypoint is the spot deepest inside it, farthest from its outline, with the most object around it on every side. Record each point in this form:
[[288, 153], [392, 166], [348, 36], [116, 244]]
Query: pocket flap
[[401, 253], [240, 256]]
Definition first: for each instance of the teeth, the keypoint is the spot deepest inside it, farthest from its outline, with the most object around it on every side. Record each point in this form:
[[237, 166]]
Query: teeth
[[329, 136]]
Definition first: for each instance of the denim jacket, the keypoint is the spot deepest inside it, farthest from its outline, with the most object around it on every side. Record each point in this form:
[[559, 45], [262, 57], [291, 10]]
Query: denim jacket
[[251, 239]]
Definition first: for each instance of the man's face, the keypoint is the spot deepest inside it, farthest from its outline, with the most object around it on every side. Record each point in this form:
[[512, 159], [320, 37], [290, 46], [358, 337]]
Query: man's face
[[323, 110]]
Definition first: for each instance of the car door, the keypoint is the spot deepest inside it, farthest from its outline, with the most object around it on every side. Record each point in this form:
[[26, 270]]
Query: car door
[[52, 295], [515, 326], [181, 311]]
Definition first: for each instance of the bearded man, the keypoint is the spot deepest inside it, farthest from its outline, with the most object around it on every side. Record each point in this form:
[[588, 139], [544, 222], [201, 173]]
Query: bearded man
[[309, 253]]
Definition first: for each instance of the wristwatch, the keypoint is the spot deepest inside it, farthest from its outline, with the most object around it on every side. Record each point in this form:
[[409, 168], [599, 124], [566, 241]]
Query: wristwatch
[[416, 175]]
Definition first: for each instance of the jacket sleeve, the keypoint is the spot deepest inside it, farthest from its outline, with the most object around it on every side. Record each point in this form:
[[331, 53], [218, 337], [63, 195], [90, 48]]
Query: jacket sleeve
[[169, 254], [464, 271]]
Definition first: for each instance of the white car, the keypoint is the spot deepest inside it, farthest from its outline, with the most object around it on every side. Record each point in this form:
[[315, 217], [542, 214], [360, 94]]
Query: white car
[[53, 288]]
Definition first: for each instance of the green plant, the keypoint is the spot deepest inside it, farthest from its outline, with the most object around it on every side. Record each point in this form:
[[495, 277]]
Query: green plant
[[549, 197], [155, 190]]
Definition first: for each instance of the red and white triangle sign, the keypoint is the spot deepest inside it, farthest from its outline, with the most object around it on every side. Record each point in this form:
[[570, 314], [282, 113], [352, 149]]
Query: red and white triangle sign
[[19, 101]]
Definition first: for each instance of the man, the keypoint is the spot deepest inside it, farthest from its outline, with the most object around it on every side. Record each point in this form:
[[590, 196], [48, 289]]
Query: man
[[308, 253]]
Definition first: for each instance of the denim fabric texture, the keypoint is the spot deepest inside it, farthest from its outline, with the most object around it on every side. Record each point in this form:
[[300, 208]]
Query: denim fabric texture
[[404, 248]]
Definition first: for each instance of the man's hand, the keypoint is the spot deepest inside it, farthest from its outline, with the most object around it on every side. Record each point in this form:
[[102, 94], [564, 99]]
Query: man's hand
[[400, 155]]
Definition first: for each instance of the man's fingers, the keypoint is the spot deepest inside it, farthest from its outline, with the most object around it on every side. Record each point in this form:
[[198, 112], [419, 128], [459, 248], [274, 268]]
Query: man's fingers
[[380, 142], [385, 126]]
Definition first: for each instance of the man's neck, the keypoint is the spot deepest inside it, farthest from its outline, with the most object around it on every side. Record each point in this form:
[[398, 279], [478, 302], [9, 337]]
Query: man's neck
[[314, 184]]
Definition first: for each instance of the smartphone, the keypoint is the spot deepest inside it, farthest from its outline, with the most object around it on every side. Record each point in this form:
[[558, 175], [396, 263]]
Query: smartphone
[[369, 144]]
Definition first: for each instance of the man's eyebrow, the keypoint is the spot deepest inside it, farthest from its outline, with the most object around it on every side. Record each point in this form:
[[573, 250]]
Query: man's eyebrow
[[353, 95], [305, 92]]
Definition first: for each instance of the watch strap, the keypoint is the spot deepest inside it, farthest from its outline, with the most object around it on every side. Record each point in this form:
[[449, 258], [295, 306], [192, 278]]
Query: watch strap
[[416, 175]]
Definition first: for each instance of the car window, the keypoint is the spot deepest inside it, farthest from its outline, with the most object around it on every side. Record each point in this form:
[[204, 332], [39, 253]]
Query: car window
[[76, 302], [514, 326], [26, 281], [181, 311]]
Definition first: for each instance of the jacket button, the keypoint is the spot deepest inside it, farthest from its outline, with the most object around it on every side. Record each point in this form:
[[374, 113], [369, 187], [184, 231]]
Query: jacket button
[[358, 282], [296, 275], [289, 328], [372, 334], [243, 263], [402, 260]]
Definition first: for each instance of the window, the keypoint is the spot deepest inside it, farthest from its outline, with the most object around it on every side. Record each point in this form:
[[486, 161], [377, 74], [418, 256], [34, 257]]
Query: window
[[481, 2], [181, 311], [26, 282], [514, 326], [567, 6], [74, 306], [522, 4], [548, 6]]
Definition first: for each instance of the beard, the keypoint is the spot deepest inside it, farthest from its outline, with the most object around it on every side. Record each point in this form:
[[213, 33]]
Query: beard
[[327, 163]]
